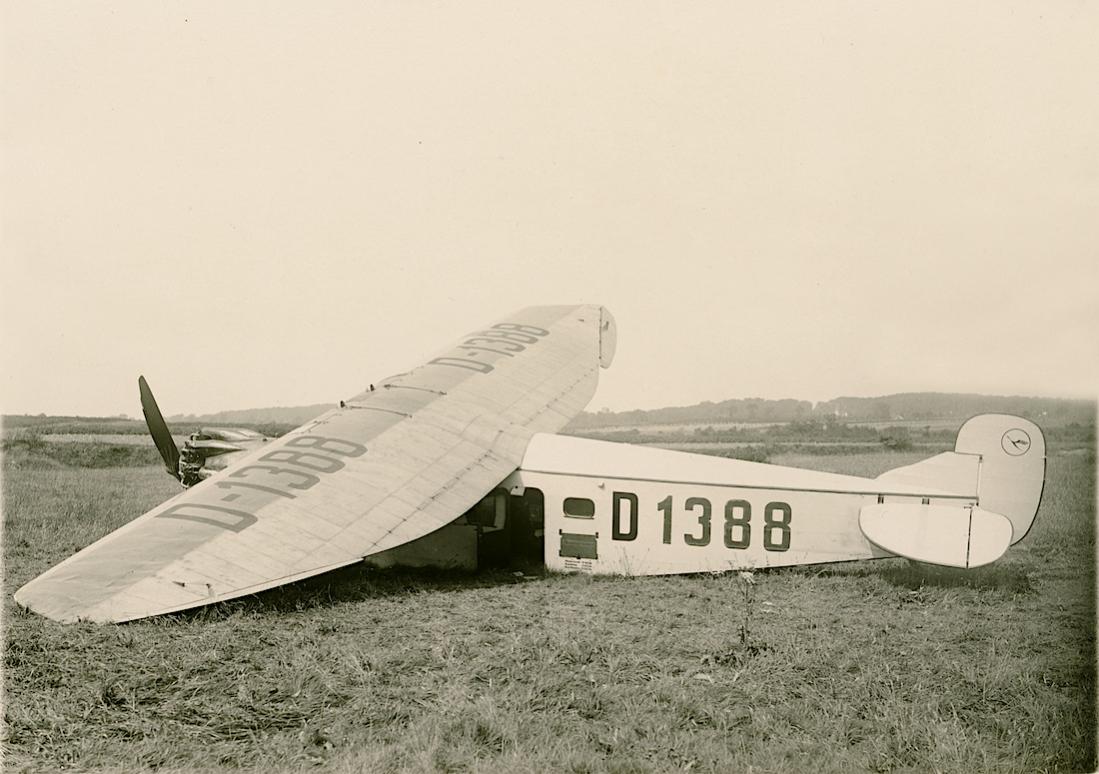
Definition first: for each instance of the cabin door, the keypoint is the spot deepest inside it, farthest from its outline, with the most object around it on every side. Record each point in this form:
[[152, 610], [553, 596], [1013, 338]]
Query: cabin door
[[509, 528]]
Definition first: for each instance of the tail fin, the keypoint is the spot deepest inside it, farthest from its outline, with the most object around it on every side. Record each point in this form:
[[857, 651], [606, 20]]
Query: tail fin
[[1013, 466], [998, 458]]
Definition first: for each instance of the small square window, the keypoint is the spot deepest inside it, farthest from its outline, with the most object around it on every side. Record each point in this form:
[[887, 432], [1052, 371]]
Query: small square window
[[578, 546]]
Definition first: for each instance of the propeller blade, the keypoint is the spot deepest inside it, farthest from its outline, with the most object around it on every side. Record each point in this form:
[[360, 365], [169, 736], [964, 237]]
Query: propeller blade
[[158, 428]]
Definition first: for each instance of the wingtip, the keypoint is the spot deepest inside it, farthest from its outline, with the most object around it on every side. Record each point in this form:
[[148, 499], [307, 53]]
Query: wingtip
[[28, 602]]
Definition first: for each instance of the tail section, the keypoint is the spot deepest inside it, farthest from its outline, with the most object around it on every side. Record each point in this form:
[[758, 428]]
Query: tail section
[[998, 458]]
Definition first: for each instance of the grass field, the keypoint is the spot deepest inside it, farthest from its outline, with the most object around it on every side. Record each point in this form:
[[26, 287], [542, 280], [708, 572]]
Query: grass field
[[880, 666]]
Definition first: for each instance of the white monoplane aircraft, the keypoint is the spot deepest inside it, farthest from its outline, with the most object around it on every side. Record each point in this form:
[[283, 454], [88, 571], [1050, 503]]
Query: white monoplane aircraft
[[455, 462]]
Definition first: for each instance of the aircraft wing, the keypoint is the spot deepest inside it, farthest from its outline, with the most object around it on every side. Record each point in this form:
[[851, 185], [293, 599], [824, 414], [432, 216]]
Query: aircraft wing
[[387, 467]]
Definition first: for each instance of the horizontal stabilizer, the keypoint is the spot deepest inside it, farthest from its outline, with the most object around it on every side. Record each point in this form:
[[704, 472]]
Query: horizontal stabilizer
[[950, 535], [999, 460]]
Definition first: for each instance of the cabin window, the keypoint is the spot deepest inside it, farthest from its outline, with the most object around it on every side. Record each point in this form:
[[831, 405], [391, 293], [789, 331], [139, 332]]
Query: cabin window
[[579, 508]]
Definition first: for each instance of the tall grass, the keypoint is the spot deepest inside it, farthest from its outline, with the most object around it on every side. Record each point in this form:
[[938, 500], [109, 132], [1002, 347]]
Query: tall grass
[[858, 667], [34, 452]]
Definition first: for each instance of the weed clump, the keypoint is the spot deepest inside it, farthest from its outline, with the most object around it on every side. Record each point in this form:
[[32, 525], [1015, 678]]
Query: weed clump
[[744, 649]]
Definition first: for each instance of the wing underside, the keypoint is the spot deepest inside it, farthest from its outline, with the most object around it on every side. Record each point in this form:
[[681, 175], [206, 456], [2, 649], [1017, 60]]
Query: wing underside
[[389, 466]]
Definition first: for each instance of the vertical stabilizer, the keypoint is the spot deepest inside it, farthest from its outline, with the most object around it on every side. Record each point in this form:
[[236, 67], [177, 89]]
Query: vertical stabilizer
[[1012, 466]]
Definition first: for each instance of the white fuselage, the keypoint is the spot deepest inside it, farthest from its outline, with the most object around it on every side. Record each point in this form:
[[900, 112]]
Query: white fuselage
[[610, 508], [644, 511]]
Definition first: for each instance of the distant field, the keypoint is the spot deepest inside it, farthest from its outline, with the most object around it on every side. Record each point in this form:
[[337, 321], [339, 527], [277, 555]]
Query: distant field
[[40, 453], [879, 666], [58, 428], [128, 439], [759, 441], [777, 449], [765, 441], [48, 424], [914, 424], [682, 427]]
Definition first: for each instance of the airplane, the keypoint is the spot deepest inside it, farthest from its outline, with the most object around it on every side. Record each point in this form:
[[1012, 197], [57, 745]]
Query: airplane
[[457, 463]]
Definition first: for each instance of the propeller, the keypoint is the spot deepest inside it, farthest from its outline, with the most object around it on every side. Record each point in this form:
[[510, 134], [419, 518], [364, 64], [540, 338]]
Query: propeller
[[158, 429]]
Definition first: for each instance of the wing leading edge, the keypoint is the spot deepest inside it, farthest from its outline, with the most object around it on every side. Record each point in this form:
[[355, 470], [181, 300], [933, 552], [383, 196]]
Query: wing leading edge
[[389, 466]]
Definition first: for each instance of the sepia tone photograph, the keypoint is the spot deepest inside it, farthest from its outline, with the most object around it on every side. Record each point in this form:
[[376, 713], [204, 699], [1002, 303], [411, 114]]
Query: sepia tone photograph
[[591, 388]]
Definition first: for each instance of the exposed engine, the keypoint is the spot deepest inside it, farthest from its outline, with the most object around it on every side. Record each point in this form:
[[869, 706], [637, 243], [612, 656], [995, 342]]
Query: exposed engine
[[212, 449], [204, 453]]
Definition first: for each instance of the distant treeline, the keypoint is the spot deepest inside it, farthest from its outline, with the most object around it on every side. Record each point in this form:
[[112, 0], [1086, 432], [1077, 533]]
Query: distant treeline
[[906, 407], [277, 415]]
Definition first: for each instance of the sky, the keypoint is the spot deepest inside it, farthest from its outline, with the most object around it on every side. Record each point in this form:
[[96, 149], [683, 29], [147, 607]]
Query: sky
[[260, 204]]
